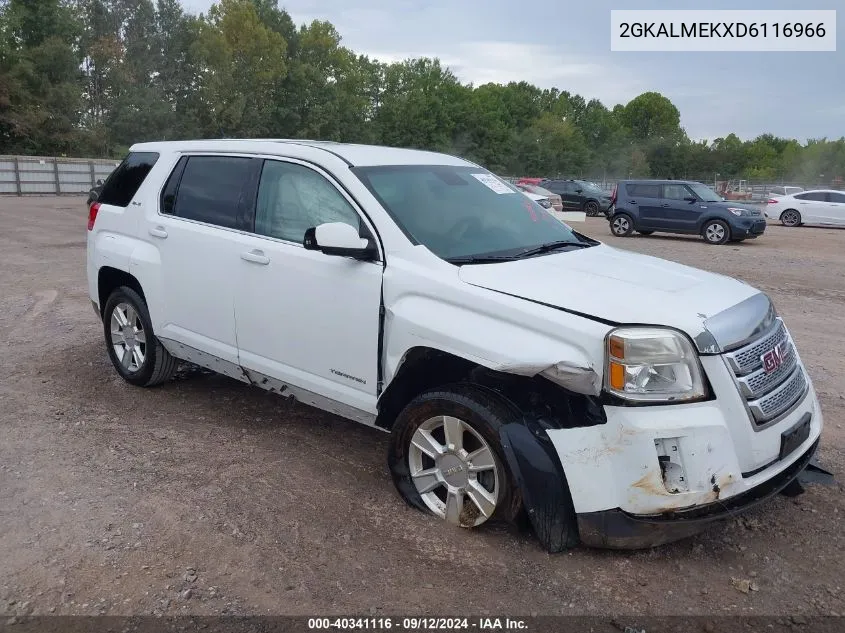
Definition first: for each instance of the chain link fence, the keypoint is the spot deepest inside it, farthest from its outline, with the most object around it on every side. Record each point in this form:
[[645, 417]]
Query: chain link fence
[[51, 175]]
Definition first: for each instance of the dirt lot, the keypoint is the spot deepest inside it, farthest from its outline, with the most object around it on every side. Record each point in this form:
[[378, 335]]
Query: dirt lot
[[206, 496]]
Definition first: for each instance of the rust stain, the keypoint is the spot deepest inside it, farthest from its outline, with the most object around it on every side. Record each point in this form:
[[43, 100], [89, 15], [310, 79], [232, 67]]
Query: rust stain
[[652, 483]]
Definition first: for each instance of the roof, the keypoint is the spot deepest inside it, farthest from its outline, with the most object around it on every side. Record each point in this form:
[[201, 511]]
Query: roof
[[355, 155]]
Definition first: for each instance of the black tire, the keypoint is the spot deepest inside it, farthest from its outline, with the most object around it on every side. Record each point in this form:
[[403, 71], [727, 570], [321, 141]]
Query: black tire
[[790, 218], [621, 225], [715, 232], [645, 232], [477, 407], [158, 365], [591, 208]]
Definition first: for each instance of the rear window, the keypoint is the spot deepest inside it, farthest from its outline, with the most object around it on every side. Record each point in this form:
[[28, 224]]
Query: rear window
[[210, 189], [818, 196], [127, 178], [643, 190]]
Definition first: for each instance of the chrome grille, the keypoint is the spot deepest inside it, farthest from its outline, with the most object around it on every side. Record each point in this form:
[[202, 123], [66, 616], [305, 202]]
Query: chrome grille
[[768, 395]]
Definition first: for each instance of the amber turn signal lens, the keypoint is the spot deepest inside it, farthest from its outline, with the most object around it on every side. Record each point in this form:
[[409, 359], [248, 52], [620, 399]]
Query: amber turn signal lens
[[617, 347], [617, 376]]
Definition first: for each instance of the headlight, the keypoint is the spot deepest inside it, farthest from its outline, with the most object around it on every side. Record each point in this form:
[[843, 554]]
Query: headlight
[[545, 203], [738, 211], [652, 365]]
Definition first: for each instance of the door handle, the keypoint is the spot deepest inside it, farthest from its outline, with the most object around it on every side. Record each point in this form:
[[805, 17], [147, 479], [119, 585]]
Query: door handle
[[256, 257], [158, 232], [665, 205], [632, 202]]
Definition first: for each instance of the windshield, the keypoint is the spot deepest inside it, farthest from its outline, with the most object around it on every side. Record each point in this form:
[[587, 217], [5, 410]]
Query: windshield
[[705, 193], [463, 212]]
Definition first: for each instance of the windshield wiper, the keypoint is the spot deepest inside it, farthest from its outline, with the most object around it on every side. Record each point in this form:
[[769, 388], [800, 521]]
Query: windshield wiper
[[549, 247], [479, 259]]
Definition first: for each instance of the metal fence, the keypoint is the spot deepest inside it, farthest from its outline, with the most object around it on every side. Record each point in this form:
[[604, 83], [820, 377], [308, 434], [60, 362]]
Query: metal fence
[[46, 175]]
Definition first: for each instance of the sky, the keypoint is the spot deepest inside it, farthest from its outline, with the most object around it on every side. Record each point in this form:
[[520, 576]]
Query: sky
[[550, 43]]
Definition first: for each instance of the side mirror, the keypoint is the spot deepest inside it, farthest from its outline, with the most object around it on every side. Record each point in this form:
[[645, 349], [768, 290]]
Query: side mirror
[[99, 181], [578, 190], [339, 238], [691, 199]]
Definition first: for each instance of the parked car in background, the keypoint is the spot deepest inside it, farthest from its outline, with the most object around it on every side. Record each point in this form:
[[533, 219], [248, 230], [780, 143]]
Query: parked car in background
[[579, 195], [822, 206], [524, 371], [784, 191], [675, 206], [563, 216], [553, 198]]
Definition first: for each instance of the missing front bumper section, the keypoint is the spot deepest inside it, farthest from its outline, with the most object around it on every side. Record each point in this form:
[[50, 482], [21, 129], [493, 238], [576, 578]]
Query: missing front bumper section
[[616, 529]]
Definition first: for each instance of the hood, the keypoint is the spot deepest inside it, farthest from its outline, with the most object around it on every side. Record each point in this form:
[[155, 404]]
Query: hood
[[622, 287]]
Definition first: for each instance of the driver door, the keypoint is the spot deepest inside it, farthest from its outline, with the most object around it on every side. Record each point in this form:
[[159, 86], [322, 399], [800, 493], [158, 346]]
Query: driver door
[[305, 318]]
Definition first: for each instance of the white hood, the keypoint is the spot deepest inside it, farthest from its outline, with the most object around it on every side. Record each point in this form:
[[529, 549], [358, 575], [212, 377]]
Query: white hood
[[617, 286]]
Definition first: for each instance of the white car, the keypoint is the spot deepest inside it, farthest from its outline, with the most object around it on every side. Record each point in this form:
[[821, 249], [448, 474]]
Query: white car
[[821, 206], [563, 216], [785, 190], [521, 368]]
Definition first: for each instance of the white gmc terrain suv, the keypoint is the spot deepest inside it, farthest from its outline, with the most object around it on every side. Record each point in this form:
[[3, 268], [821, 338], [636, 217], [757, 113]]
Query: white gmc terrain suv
[[523, 370]]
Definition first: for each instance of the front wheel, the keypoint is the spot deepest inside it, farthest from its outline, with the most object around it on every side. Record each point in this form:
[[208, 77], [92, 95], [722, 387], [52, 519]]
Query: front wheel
[[446, 459], [591, 209], [716, 232], [621, 225]]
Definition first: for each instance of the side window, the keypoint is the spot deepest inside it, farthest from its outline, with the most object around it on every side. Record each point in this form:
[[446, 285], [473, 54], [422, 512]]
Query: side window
[[816, 196], [838, 198], [293, 198], [168, 196], [644, 191], [676, 192], [123, 183], [210, 189]]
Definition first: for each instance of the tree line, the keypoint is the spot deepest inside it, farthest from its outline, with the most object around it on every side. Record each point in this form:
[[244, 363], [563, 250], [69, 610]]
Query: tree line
[[91, 77]]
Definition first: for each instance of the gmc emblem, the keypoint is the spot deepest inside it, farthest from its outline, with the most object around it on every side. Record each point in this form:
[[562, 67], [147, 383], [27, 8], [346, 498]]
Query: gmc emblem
[[773, 359]]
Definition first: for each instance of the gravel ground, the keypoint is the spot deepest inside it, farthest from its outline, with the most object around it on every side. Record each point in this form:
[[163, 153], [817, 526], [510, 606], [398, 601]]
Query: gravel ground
[[205, 496]]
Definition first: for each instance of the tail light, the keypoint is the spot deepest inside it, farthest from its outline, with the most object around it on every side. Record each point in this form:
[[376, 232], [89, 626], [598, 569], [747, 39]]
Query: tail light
[[613, 195], [772, 201], [92, 215]]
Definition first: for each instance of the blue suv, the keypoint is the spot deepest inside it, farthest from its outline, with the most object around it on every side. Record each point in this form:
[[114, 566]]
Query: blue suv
[[678, 206]]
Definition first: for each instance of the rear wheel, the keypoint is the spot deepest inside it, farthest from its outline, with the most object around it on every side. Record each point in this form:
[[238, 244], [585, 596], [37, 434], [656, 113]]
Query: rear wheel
[[790, 217], [446, 458], [135, 352], [621, 225], [716, 232]]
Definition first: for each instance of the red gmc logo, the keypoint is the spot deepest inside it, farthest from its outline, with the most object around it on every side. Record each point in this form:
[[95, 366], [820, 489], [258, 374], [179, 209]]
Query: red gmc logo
[[773, 359]]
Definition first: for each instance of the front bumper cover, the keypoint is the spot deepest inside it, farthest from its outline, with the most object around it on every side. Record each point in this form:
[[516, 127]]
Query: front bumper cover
[[616, 529]]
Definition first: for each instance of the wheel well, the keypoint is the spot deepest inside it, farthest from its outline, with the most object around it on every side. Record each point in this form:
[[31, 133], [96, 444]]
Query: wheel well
[[426, 368], [110, 279]]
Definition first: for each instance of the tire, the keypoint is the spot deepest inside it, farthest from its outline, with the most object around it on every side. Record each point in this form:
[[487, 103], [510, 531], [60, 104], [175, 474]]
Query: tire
[[715, 232], [621, 225], [421, 423], [125, 307], [591, 208], [645, 232], [790, 218]]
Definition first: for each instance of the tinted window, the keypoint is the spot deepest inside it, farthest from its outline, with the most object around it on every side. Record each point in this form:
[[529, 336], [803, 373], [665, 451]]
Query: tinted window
[[293, 198], [643, 191], [210, 189], [126, 179], [837, 197], [459, 212], [676, 192], [168, 196], [817, 196]]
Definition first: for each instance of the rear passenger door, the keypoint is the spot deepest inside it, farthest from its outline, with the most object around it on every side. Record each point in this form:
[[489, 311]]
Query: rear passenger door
[[566, 190], [813, 207], [199, 235], [837, 207], [680, 209], [644, 200]]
